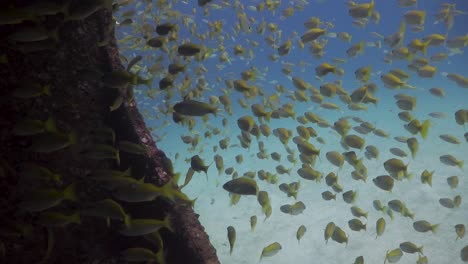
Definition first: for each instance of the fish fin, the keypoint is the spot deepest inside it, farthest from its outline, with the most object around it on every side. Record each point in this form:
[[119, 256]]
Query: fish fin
[[425, 128]]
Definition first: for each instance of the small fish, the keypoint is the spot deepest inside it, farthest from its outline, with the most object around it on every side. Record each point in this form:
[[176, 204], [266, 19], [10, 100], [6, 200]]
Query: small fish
[[335, 158], [409, 247], [380, 227], [384, 182], [452, 181], [426, 177], [356, 225], [194, 108], [55, 219], [424, 226], [464, 254], [49, 142], [413, 146], [350, 196], [393, 256], [31, 171], [242, 186], [27, 90], [372, 152], [270, 250], [359, 260], [133, 148], [327, 196], [188, 49], [102, 152], [42, 199], [339, 235], [253, 222], [460, 231], [451, 161], [450, 139], [231, 233], [354, 141], [358, 212], [300, 232], [328, 232], [415, 126], [398, 152], [140, 227], [197, 164]]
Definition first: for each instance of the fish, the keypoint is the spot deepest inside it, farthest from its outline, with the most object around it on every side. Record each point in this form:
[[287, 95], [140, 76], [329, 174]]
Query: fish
[[28, 89], [300, 232], [55, 219], [426, 177], [44, 198], [358, 212], [452, 181], [451, 161], [253, 222], [384, 182], [409, 247], [270, 250], [293, 209], [354, 141], [49, 142], [242, 186], [372, 152], [362, 10], [139, 227], [450, 139], [327, 196], [133, 148], [335, 158], [460, 231], [424, 226], [464, 254], [393, 256], [194, 108], [359, 260], [328, 232], [350, 196], [188, 49], [197, 164], [380, 227], [231, 233], [356, 225], [339, 235]]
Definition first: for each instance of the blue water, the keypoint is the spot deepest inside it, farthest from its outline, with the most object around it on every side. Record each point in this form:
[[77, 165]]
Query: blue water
[[213, 201]]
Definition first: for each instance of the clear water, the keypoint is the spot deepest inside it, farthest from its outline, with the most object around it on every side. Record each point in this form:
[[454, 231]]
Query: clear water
[[213, 203]]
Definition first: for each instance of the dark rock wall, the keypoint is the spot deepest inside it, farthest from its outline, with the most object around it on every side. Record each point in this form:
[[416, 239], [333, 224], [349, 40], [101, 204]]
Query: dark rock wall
[[78, 103]]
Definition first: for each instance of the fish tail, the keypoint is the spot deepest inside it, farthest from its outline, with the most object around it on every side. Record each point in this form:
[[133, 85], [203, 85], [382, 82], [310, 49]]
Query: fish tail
[[425, 128], [435, 228], [424, 47], [460, 164]]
